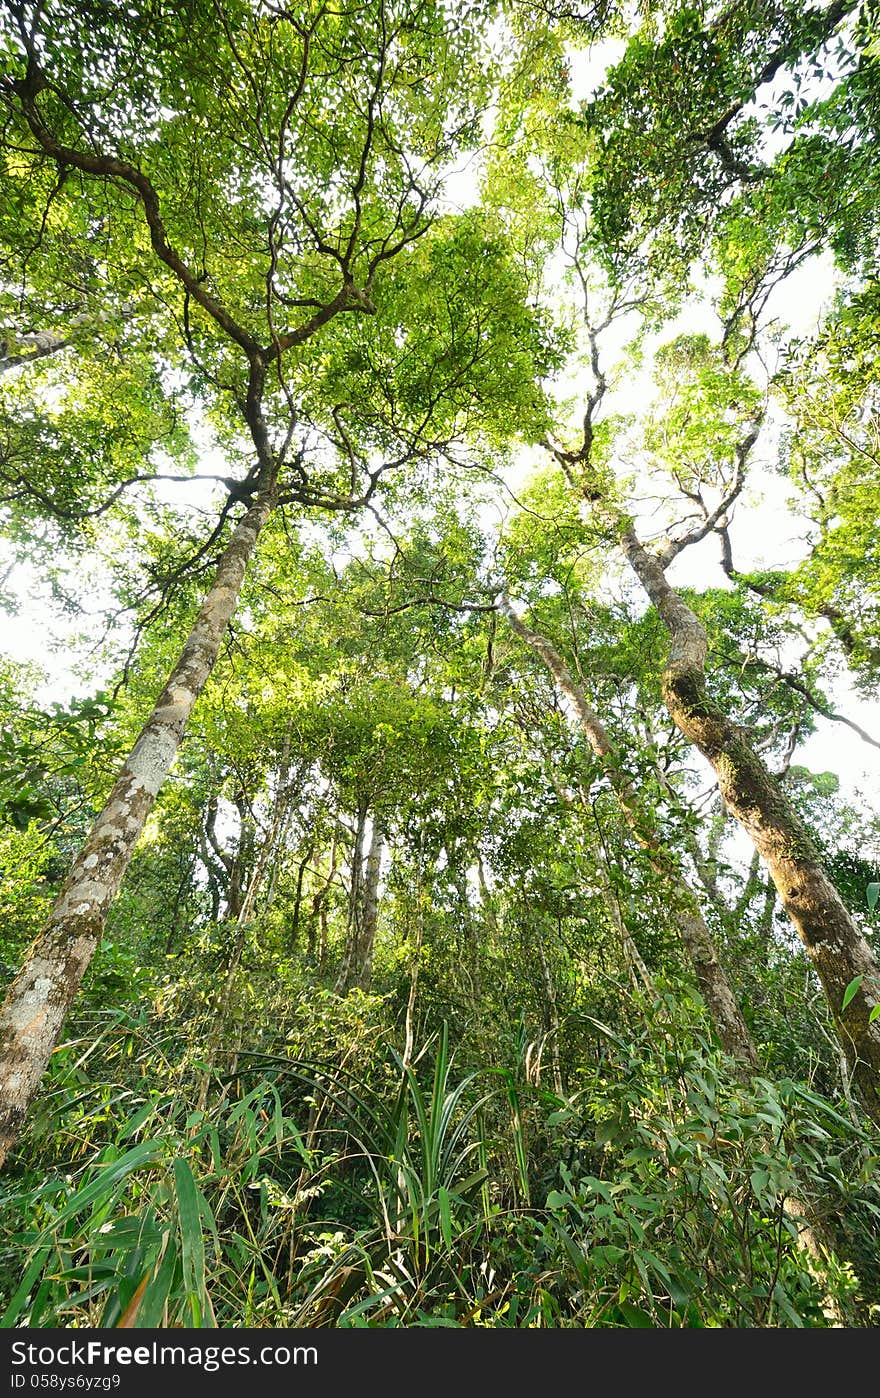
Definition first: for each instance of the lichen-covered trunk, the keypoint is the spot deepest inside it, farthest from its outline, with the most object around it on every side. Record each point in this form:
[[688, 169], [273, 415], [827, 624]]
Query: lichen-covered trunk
[[699, 944], [837, 950], [40, 997]]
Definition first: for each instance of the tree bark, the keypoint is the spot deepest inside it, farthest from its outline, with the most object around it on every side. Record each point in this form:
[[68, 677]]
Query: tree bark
[[837, 950], [298, 899], [357, 933], [239, 864], [370, 922], [316, 946], [246, 900], [714, 985], [40, 997]]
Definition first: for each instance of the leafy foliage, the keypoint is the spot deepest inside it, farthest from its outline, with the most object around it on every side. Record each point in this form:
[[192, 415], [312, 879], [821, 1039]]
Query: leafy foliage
[[467, 322]]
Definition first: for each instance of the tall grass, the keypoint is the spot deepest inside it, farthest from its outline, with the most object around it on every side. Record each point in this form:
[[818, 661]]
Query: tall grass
[[308, 1193]]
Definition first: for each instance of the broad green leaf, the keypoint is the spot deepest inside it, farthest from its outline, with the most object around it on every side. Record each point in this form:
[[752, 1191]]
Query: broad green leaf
[[851, 990]]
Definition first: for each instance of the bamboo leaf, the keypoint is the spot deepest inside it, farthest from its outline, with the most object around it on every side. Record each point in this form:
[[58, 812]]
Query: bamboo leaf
[[445, 1216], [19, 1299], [128, 1319], [189, 1211]]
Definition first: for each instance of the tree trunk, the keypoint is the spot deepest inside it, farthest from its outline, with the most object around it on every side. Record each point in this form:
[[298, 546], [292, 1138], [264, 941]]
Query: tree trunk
[[316, 946], [245, 908], [40, 997], [370, 920], [212, 858], [348, 971], [357, 961], [239, 866], [489, 915], [837, 950], [714, 985], [179, 904], [293, 938]]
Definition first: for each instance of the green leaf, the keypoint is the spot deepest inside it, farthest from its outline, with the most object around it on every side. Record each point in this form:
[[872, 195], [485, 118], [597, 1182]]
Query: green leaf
[[152, 1305], [873, 894], [606, 1132], [189, 1211], [16, 1305], [102, 1186], [635, 1317], [851, 991], [445, 1216]]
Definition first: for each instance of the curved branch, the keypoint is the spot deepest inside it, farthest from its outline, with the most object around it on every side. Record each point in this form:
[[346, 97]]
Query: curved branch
[[18, 97], [677, 546]]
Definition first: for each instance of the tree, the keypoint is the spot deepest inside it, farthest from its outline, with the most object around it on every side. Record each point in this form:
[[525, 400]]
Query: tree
[[641, 199], [309, 192]]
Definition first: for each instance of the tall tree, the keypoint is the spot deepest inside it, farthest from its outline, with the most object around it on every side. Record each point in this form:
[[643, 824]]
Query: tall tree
[[697, 939], [258, 189], [635, 191]]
